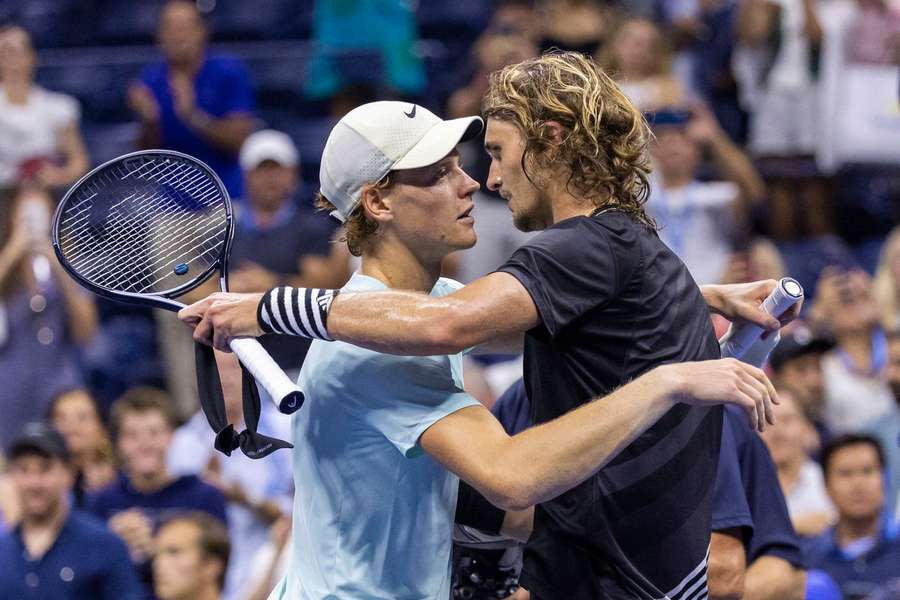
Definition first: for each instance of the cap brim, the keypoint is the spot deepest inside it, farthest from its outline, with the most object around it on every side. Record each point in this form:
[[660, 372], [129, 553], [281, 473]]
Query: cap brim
[[439, 142]]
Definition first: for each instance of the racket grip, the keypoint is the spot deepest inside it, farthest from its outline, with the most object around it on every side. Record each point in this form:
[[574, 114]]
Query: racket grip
[[284, 392], [741, 337]]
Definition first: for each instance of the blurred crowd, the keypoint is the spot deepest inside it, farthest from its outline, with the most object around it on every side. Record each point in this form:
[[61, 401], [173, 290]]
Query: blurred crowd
[[776, 153]]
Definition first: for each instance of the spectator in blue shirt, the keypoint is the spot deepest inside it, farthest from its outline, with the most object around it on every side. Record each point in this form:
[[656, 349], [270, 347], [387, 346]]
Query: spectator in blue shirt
[[887, 429], [146, 493], [194, 101], [862, 551], [754, 552], [57, 552]]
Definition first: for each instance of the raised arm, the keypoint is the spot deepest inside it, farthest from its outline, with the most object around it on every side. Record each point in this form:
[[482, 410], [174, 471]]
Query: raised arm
[[544, 461]]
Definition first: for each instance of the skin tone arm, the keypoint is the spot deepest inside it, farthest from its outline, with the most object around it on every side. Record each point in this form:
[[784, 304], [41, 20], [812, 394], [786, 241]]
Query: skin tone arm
[[767, 578], [410, 323], [540, 463], [727, 565], [71, 146]]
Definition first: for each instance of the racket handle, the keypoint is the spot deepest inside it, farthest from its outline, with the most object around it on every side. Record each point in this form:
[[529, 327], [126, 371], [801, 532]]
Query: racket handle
[[284, 393], [740, 337]]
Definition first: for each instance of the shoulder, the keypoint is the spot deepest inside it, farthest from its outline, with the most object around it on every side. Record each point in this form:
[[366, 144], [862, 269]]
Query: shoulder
[[63, 107], [226, 65]]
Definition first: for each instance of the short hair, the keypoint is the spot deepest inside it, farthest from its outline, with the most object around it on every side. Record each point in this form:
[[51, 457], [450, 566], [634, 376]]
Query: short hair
[[214, 542], [844, 441], [142, 399], [358, 228], [606, 146]]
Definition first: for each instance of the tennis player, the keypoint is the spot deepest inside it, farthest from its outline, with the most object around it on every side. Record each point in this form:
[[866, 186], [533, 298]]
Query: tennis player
[[604, 304]]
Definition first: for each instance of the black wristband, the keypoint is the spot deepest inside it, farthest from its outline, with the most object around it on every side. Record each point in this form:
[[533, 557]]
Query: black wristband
[[296, 311]]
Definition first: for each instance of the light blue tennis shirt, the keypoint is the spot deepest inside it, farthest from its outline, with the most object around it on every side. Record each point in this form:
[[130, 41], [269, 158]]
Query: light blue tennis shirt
[[373, 513]]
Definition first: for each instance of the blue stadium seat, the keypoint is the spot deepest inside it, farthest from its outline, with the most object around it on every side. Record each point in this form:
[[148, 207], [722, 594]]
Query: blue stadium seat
[[461, 19], [128, 22], [105, 142], [259, 20]]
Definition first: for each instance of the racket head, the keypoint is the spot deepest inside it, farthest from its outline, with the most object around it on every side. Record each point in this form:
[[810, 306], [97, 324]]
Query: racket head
[[145, 228]]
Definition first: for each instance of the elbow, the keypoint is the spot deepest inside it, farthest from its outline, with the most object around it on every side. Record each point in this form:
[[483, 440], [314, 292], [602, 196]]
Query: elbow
[[510, 488], [725, 578]]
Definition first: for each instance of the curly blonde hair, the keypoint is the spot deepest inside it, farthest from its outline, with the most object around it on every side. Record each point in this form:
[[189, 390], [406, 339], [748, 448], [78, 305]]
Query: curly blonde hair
[[359, 229], [606, 138]]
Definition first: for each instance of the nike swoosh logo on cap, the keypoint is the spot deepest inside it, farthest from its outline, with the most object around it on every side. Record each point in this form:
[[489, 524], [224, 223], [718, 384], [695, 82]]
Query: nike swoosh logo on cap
[[411, 114]]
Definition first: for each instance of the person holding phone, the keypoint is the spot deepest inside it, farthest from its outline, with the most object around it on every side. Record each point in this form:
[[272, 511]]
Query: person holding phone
[[46, 316]]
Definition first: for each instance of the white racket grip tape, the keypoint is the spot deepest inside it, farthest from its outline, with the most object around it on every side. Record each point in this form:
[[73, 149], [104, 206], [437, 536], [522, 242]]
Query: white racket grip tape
[[738, 340], [284, 392]]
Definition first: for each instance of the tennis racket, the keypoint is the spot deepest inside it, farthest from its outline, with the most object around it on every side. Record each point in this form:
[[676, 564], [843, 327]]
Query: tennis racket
[[148, 227]]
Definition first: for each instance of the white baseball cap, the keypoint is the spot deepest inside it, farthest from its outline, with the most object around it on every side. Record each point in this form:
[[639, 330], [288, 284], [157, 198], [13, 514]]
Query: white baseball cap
[[268, 144], [377, 138]]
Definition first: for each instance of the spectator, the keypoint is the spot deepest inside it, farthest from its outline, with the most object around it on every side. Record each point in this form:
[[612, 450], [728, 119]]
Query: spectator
[[44, 316], [887, 429], [9, 500], [862, 551], [886, 285], [266, 252], [856, 392], [143, 424], [194, 101], [639, 59], [579, 25], [270, 563], [800, 477], [361, 46], [39, 130], [519, 16], [698, 220], [56, 551], [75, 415], [496, 238], [191, 558], [258, 492], [797, 367], [784, 37], [754, 552]]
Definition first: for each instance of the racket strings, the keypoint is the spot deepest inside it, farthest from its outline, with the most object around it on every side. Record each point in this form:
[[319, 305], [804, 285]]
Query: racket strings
[[130, 227]]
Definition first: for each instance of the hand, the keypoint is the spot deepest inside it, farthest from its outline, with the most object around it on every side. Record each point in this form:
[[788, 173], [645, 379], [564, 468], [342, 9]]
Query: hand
[[143, 102], [135, 530], [703, 127], [221, 317], [212, 475], [52, 176], [251, 277], [744, 301], [723, 381], [184, 97]]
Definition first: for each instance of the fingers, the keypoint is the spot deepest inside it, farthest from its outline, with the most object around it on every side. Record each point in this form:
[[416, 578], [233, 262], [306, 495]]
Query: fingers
[[764, 396]]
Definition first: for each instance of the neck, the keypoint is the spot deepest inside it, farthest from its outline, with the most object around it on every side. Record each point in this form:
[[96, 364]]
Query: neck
[[17, 90], [858, 346], [850, 530], [789, 473], [150, 483], [398, 267], [52, 521], [189, 66], [565, 206], [209, 592]]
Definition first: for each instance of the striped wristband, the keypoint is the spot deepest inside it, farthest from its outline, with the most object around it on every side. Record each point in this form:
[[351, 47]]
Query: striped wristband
[[296, 311]]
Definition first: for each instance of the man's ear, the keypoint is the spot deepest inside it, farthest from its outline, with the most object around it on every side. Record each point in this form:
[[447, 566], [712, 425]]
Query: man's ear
[[376, 203], [555, 132]]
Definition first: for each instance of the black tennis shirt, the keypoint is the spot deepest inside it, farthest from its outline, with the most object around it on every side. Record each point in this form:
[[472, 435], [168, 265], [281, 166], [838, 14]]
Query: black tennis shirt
[[615, 302]]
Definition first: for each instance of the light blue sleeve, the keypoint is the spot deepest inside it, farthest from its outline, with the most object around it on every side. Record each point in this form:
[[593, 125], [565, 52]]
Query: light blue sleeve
[[402, 396]]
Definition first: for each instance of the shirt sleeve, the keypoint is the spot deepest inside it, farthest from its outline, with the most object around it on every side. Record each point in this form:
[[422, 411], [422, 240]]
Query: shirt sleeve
[[730, 508], [773, 533], [402, 396], [240, 91], [568, 270]]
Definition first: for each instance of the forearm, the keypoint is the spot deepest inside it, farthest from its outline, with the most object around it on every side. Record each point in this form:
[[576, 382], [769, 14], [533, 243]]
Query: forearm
[[81, 312], [773, 578], [149, 135], [406, 323], [735, 166], [812, 27], [542, 462], [226, 134]]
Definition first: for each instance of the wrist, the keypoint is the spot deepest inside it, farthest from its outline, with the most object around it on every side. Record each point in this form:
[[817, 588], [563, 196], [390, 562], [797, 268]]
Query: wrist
[[712, 294], [296, 311], [668, 381]]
